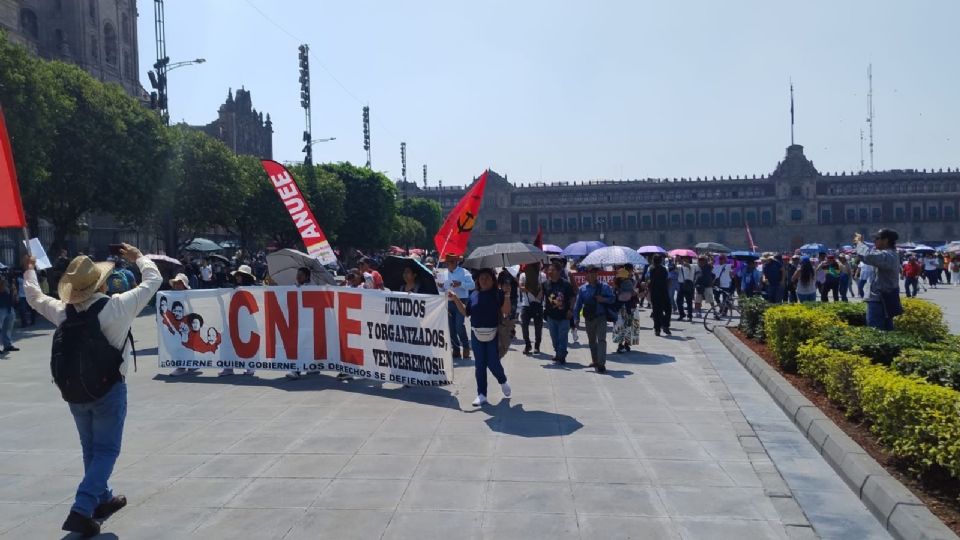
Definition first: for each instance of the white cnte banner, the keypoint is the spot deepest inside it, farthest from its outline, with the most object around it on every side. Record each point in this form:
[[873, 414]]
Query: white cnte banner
[[386, 336]]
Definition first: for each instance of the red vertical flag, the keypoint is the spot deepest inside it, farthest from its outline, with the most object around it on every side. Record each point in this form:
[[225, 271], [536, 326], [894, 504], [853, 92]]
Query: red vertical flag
[[11, 208], [538, 241], [753, 247], [296, 204], [455, 232]]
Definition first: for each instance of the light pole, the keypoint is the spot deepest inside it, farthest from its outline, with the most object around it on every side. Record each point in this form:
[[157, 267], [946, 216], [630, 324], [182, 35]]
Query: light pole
[[159, 99]]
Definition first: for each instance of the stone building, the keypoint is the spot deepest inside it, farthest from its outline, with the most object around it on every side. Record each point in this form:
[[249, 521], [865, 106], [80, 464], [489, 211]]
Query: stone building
[[100, 36], [794, 205], [241, 127]]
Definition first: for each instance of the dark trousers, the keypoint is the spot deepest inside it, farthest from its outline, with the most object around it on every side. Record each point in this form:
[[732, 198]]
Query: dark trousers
[[830, 285], [597, 339], [911, 286], [844, 286], [532, 312], [933, 277], [486, 357], [661, 313], [26, 312], [684, 297]]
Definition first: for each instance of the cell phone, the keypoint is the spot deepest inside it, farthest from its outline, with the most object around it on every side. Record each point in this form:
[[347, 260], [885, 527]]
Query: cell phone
[[115, 249]]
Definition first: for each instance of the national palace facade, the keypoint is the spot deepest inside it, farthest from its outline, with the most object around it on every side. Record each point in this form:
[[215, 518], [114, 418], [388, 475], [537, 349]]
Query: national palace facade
[[794, 205]]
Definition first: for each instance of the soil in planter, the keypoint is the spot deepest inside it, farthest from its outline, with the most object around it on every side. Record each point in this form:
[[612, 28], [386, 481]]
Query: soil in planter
[[938, 491]]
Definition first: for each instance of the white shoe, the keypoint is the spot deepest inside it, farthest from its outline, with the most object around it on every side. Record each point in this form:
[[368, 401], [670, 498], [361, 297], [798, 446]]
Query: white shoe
[[225, 372], [248, 372], [293, 375], [481, 399], [178, 372], [194, 371], [506, 389]]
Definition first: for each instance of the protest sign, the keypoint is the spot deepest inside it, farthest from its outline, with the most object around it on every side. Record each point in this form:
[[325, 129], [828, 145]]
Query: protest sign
[[380, 335], [578, 279], [36, 249]]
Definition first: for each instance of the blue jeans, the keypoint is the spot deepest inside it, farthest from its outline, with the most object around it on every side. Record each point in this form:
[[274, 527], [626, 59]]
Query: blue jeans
[[486, 356], [559, 328], [911, 286], [7, 318], [877, 317], [861, 283], [844, 286], [100, 426], [812, 297], [458, 331]]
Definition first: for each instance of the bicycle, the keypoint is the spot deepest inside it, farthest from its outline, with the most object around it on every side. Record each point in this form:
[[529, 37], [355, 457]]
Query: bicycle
[[725, 312]]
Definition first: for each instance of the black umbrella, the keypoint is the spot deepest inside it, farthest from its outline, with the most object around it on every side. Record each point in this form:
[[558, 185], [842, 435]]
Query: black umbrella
[[504, 255], [392, 271], [712, 247]]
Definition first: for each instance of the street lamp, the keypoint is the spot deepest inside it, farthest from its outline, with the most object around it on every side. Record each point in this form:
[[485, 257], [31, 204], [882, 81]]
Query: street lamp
[[328, 139], [175, 65], [159, 99]]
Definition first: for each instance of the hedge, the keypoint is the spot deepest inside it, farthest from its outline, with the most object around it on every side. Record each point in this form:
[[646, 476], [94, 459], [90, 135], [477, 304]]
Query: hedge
[[788, 326], [751, 317], [937, 364], [923, 319], [919, 421], [852, 313], [834, 372], [878, 345]]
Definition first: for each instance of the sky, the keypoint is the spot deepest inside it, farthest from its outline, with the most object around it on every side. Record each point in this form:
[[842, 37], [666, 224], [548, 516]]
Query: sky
[[572, 90]]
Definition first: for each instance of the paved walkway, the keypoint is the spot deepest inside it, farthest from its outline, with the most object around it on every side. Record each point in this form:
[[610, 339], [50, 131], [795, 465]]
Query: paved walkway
[[675, 442]]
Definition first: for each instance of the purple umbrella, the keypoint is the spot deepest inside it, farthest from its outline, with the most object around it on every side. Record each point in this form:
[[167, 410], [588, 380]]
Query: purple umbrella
[[582, 248], [651, 250]]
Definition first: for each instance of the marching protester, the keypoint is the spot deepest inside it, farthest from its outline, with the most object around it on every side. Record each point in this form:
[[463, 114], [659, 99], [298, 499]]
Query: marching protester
[[181, 283], [723, 284], [411, 280], [7, 316], [532, 282], [625, 287], [659, 286], [89, 322], [458, 280], [790, 287], [911, 276], [704, 286], [773, 277], [954, 275], [371, 277], [558, 310], [303, 278], [485, 306], [883, 303], [242, 277], [751, 279], [931, 270], [595, 298]]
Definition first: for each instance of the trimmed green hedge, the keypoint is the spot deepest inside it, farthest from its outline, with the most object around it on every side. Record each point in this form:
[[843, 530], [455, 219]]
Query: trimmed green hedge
[[852, 313], [923, 319], [880, 346], [937, 364], [790, 325], [834, 372], [751, 317]]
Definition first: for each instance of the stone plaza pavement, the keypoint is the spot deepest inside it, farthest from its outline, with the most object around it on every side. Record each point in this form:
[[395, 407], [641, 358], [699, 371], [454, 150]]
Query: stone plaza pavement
[[675, 441]]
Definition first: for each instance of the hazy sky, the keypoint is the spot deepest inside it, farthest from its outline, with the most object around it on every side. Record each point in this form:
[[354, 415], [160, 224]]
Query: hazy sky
[[575, 90]]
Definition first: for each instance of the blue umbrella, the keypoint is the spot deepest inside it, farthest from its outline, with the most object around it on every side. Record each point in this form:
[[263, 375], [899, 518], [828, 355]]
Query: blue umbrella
[[582, 248], [745, 255], [813, 248]]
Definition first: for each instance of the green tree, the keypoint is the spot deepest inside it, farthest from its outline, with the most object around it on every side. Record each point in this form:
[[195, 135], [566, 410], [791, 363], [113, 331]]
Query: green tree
[[370, 206], [427, 212], [408, 232], [200, 189]]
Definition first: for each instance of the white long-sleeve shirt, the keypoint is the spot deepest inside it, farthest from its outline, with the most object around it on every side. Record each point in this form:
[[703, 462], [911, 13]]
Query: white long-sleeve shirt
[[462, 275], [115, 318]]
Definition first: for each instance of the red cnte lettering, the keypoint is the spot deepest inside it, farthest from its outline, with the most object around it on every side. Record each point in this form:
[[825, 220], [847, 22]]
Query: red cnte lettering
[[319, 302], [349, 327], [239, 300], [276, 322]]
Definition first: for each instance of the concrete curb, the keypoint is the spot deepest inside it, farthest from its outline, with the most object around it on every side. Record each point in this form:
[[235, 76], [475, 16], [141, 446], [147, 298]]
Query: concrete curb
[[901, 513]]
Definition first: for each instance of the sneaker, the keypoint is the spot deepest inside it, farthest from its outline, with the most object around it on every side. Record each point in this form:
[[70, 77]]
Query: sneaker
[[526, 351], [226, 372], [293, 375], [82, 524], [667, 331], [12, 349], [657, 332], [466, 353], [178, 372], [481, 399], [601, 369], [344, 377], [106, 509], [506, 389], [536, 350], [248, 372]]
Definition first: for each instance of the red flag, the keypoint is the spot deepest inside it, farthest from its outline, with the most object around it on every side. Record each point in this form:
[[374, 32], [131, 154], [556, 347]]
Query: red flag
[[753, 247], [538, 241], [300, 213], [11, 208], [455, 232]]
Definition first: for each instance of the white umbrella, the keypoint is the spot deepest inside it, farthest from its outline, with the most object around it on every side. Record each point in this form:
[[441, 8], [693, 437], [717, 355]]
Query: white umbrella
[[283, 265], [503, 255], [613, 256]]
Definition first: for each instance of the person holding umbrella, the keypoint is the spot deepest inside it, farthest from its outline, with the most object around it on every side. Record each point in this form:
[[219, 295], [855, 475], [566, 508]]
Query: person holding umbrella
[[595, 298], [485, 307]]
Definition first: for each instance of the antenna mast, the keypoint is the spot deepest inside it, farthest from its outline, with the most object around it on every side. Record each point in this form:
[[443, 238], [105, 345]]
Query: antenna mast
[[870, 109], [791, 112]]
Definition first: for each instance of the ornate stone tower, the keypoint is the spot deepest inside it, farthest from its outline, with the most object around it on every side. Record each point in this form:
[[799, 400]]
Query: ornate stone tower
[[241, 127]]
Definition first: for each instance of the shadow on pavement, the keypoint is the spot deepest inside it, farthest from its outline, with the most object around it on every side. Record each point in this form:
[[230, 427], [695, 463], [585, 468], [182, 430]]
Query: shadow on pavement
[[522, 423], [436, 396], [636, 357]]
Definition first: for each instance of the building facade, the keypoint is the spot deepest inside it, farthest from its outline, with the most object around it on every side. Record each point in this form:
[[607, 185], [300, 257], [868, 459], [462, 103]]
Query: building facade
[[241, 127], [794, 205], [100, 36]]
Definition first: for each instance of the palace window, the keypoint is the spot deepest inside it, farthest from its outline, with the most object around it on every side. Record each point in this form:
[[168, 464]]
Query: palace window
[[631, 222], [691, 220], [766, 217], [721, 220], [876, 215], [557, 224], [735, 219], [851, 215], [752, 217], [491, 224], [28, 23], [917, 213], [826, 215], [863, 215], [616, 222], [704, 219], [932, 212], [587, 223], [675, 220], [661, 221], [572, 224], [899, 213], [796, 214], [947, 212], [524, 225]]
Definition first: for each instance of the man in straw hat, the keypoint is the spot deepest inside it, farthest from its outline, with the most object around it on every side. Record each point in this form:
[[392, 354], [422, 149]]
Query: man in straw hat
[[99, 422]]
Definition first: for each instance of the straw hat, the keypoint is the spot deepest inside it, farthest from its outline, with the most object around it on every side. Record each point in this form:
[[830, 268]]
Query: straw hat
[[244, 269], [182, 278], [83, 279]]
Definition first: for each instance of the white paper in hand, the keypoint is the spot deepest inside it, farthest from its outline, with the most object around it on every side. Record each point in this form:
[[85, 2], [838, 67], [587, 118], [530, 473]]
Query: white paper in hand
[[36, 249]]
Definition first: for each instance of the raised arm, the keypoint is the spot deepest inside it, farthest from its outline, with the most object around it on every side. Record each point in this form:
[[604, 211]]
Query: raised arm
[[50, 308]]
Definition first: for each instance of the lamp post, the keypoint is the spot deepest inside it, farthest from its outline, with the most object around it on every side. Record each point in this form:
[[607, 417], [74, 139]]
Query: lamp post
[[159, 99]]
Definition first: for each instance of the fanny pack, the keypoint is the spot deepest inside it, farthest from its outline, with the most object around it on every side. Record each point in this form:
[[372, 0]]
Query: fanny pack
[[485, 334]]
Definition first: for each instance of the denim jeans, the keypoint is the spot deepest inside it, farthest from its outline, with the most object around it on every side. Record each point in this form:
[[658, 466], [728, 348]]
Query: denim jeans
[[911, 285], [100, 426], [861, 283], [486, 356], [812, 297], [7, 318], [844, 286], [772, 293], [877, 317], [559, 328], [458, 331]]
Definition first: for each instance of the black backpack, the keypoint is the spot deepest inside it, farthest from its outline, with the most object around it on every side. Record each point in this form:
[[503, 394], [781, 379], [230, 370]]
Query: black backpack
[[84, 365]]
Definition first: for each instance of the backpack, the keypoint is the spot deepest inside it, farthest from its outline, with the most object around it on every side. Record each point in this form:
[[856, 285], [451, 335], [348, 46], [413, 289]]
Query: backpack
[[84, 365], [118, 282]]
